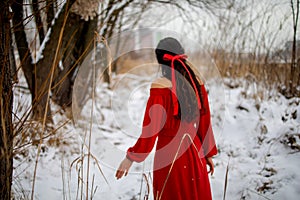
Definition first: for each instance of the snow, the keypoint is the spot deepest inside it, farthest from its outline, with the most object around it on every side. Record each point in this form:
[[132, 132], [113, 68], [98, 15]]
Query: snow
[[40, 48], [39, 54], [252, 138]]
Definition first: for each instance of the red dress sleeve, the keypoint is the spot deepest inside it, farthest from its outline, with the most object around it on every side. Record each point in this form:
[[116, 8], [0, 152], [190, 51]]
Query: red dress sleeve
[[154, 120], [205, 131]]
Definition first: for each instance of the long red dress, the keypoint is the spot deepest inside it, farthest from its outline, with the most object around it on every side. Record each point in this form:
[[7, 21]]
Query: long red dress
[[179, 171]]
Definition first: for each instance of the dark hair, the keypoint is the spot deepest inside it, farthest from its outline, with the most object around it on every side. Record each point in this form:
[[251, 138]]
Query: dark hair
[[185, 93]]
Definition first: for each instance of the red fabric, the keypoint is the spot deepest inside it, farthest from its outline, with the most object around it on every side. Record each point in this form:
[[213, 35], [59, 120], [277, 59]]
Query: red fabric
[[180, 171], [169, 57]]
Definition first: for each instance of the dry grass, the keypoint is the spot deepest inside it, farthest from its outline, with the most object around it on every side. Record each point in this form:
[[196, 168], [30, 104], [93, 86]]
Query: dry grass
[[226, 180], [31, 135], [143, 59], [266, 77]]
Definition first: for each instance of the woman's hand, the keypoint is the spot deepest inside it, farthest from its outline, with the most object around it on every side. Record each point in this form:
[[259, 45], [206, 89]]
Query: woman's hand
[[211, 165], [123, 168]]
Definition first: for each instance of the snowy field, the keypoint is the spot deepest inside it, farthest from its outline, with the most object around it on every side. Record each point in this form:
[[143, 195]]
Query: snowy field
[[258, 142]]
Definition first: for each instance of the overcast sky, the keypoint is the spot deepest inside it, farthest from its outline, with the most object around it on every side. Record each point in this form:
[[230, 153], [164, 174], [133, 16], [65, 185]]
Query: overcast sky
[[271, 24]]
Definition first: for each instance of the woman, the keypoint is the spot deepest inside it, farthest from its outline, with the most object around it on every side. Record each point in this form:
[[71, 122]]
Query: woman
[[178, 117]]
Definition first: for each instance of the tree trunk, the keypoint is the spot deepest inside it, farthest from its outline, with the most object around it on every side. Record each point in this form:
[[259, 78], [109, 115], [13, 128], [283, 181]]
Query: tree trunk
[[6, 131], [78, 46], [298, 68], [22, 45], [38, 20], [60, 35], [13, 65], [294, 75], [49, 12]]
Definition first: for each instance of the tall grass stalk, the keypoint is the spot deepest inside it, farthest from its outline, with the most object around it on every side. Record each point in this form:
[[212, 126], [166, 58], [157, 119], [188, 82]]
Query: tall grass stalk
[[63, 178], [186, 135], [141, 186], [146, 197], [54, 64], [226, 180]]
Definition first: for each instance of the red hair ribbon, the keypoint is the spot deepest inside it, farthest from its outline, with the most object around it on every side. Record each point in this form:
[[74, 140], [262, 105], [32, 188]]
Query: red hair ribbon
[[168, 57]]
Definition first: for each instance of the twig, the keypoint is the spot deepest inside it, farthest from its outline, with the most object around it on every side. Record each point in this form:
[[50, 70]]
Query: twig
[[226, 179], [91, 125], [99, 167], [258, 194], [146, 197], [141, 186], [63, 177]]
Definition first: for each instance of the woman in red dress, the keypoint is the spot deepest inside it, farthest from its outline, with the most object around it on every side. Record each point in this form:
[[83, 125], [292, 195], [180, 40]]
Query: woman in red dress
[[178, 117]]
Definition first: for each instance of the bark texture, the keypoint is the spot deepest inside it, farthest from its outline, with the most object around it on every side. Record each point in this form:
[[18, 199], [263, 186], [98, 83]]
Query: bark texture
[[6, 131]]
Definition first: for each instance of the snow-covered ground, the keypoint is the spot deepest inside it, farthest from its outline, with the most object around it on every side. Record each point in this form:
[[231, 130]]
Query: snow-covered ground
[[258, 142]]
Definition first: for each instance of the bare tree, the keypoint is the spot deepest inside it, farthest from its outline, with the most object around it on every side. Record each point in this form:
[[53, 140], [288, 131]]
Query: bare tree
[[6, 132], [69, 39]]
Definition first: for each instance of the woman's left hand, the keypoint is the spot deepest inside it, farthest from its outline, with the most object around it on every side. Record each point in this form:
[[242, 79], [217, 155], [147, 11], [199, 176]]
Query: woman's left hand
[[211, 165]]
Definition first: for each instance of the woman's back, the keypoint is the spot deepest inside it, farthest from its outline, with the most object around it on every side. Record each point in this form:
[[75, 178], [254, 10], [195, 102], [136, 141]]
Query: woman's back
[[177, 117]]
